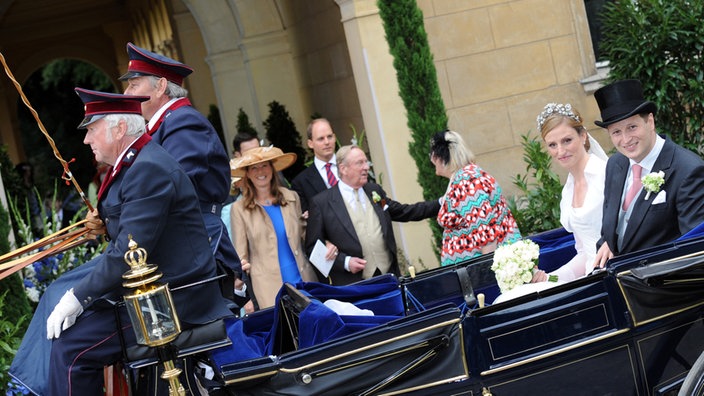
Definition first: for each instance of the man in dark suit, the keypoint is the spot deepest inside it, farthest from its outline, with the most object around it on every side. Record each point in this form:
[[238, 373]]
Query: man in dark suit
[[354, 217], [323, 172], [148, 196], [635, 217]]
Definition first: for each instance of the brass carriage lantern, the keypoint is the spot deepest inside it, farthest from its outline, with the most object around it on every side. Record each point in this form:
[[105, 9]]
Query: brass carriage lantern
[[152, 312]]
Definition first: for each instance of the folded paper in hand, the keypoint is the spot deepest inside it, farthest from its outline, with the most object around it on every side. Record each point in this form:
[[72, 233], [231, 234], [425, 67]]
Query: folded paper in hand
[[317, 257]]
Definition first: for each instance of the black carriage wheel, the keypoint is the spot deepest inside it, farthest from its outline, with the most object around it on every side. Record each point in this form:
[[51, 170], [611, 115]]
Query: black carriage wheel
[[693, 384]]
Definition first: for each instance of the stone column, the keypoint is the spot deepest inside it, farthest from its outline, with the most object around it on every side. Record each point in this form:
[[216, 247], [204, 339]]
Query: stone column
[[273, 75], [385, 121], [230, 76], [250, 60]]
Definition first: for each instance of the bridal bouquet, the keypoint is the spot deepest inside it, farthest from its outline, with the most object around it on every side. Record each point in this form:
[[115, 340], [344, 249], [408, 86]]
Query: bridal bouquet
[[514, 263]]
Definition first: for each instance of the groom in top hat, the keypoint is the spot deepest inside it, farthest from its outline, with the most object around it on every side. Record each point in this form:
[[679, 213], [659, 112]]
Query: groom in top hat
[[634, 217]]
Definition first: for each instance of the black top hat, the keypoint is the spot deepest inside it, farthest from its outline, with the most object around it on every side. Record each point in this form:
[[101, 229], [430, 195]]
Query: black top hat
[[620, 100], [99, 104], [147, 63]]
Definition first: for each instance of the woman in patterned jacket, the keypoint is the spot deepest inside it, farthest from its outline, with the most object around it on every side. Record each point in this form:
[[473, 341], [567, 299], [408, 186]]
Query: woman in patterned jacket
[[474, 215]]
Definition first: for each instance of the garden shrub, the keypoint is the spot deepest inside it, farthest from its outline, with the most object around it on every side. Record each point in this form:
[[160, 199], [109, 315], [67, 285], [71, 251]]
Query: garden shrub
[[661, 43]]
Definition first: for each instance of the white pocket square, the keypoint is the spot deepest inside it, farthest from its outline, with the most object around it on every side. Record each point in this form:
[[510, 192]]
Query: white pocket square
[[660, 198]]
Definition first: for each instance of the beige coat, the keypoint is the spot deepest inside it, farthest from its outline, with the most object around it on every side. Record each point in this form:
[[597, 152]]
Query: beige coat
[[255, 241]]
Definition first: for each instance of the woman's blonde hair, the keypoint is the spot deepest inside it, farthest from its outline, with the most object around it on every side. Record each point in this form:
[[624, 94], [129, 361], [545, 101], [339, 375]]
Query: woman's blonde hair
[[449, 147]]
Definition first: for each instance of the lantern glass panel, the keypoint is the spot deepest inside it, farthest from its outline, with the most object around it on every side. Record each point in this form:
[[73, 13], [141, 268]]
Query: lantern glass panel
[[153, 316]]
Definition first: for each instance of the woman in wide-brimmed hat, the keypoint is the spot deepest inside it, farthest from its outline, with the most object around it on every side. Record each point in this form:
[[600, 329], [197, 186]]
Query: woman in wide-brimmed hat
[[267, 224]]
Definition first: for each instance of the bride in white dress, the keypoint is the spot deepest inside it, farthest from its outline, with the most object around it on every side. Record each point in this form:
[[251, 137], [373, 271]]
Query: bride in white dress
[[570, 146]]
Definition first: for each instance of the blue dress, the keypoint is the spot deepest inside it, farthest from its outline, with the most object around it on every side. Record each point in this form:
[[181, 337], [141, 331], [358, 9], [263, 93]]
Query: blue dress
[[287, 261]]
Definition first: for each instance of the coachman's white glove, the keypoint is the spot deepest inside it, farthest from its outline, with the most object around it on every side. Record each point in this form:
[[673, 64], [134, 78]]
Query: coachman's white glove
[[64, 315]]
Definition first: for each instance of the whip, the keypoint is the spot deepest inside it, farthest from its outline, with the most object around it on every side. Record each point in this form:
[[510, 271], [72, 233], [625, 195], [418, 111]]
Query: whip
[[61, 240]]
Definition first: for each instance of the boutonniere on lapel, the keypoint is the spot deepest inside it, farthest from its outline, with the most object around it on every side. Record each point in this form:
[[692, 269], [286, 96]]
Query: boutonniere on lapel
[[379, 200], [652, 182]]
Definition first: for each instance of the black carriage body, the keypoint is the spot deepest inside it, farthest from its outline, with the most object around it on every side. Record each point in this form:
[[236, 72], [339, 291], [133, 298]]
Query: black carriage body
[[633, 329]]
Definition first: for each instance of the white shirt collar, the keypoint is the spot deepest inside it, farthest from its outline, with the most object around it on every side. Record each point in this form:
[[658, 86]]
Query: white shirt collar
[[119, 157], [320, 164], [348, 194]]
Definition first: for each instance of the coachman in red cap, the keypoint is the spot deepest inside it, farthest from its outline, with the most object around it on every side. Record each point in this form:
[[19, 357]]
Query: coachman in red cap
[[147, 63], [654, 191], [99, 104], [150, 198], [189, 137]]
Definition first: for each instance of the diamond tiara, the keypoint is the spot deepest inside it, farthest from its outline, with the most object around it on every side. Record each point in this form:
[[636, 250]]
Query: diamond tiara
[[556, 108]]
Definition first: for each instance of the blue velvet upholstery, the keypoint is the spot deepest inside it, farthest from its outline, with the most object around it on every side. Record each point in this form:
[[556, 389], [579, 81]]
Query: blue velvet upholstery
[[695, 232], [318, 324], [556, 248], [255, 336]]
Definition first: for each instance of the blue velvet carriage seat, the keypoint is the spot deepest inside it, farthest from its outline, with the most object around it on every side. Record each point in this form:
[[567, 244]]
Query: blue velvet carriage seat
[[300, 346]]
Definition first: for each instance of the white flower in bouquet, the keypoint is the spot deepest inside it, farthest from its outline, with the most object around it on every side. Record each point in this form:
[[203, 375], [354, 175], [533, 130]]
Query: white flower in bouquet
[[514, 263]]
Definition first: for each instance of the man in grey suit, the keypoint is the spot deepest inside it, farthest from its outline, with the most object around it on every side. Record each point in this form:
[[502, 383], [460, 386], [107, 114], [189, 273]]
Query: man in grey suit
[[635, 218], [355, 216]]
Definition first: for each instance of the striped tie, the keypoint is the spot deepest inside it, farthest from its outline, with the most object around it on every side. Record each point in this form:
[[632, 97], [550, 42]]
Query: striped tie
[[332, 180]]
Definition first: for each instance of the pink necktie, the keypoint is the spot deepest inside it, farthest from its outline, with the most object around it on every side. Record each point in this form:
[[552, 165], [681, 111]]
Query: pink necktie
[[635, 186], [332, 180]]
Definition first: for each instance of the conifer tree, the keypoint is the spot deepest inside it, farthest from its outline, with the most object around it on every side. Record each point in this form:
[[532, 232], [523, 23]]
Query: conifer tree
[[216, 122], [282, 133], [243, 124], [418, 88], [16, 310]]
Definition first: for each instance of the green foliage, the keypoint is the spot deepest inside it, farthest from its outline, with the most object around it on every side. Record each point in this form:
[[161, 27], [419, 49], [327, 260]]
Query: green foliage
[[51, 92], [358, 139], [216, 122], [10, 179], [5, 229], [661, 43], [419, 90], [243, 124], [14, 305], [13, 302], [282, 133], [17, 303], [538, 209], [40, 274], [15, 308], [11, 330]]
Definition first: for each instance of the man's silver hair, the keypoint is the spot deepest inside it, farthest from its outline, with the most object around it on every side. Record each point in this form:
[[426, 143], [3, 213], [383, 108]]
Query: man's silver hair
[[135, 123], [173, 90], [343, 152]]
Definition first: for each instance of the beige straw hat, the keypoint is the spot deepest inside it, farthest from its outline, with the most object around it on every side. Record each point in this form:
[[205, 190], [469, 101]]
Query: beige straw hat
[[279, 160]]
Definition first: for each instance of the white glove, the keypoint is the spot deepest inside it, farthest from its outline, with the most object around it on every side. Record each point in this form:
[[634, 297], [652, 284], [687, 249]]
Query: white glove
[[64, 315]]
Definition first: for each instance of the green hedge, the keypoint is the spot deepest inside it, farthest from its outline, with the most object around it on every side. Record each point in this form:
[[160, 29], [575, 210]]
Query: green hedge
[[419, 90], [661, 43]]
